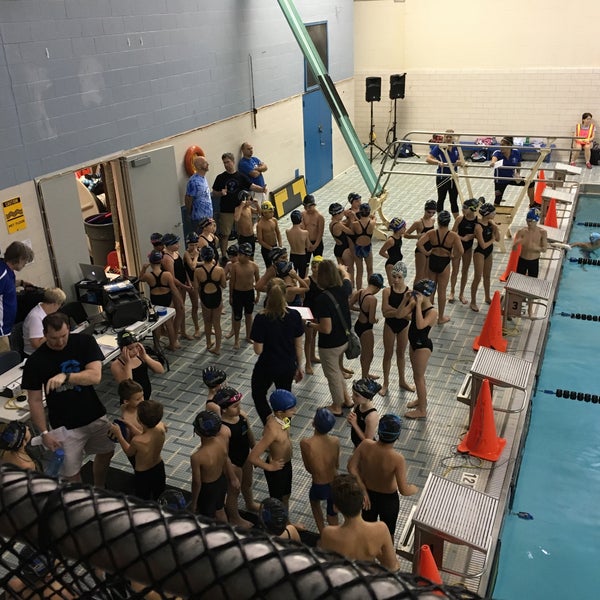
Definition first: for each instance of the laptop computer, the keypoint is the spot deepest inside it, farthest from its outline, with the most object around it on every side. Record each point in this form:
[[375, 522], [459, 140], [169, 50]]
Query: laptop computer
[[93, 273]]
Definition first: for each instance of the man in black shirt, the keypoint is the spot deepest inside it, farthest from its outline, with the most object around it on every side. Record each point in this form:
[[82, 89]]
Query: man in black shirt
[[67, 366], [228, 186]]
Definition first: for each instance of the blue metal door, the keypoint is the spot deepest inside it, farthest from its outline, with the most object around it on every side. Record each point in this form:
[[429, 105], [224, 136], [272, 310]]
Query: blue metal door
[[318, 163]]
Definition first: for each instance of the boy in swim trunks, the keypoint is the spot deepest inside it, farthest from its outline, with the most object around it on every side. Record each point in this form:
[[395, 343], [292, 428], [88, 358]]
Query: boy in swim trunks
[[242, 295], [321, 458], [533, 241], [149, 474], [357, 539], [267, 232], [299, 243], [276, 439], [209, 464], [381, 473], [314, 222]]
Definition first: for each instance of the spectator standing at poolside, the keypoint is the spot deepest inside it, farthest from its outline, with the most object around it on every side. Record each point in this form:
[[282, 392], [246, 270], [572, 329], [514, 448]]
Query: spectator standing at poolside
[[506, 162], [198, 202], [16, 256], [67, 367], [253, 168], [444, 182]]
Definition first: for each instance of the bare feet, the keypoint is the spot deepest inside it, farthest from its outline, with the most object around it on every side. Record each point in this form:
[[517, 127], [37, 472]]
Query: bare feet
[[451, 298], [371, 376], [197, 334], [229, 335], [241, 523], [315, 359], [236, 345], [185, 336], [249, 340], [463, 300], [346, 374], [416, 414], [336, 410], [383, 390], [252, 507], [443, 320], [209, 344], [215, 350], [173, 347], [308, 369], [474, 307], [413, 404], [349, 371], [407, 387], [488, 300]]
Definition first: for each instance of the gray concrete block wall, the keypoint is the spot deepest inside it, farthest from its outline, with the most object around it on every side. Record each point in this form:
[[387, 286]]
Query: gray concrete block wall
[[81, 79]]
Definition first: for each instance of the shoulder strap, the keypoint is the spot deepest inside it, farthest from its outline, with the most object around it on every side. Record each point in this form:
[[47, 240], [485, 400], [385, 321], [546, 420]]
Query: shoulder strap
[[339, 310]]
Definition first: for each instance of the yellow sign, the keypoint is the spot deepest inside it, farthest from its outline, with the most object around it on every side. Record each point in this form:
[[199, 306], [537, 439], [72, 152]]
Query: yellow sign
[[14, 215], [289, 196]]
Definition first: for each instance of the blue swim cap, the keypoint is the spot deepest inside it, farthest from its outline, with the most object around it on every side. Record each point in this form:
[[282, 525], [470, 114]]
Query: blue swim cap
[[246, 249], [533, 215], [273, 516], [594, 237], [282, 400], [377, 280], [234, 250], [396, 224], [324, 420], [389, 428], [207, 423], [366, 387], [426, 287], [296, 217], [207, 253], [212, 377], [155, 257]]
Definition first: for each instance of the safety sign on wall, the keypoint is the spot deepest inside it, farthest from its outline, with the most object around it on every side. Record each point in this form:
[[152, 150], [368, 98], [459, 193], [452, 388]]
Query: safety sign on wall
[[14, 215]]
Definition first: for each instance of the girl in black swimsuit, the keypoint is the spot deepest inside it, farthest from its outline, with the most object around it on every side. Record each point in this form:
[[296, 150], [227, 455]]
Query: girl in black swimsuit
[[443, 245], [392, 247], [190, 262], [209, 281], [396, 310], [342, 234], [314, 290], [173, 262], [207, 237], [424, 316], [363, 250], [486, 232], [363, 418], [367, 307], [162, 292], [464, 226], [422, 226]]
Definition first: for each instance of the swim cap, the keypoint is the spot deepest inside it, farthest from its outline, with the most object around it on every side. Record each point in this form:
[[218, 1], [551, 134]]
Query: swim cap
[[273, 516], [125, 338], [266, 205], [377, 280], [207, 253], [364, 209], [227, 396], [481, 200], [316, 259], [352, 196], [170, 239], [276, 252], [399, 269], [309, 200], [192, 238], [246, 249], [283, 268], [594, 237], [12, 435], [444, 218], [296, 217], [207, 423], [172, 500], [471, 203], [426, 287], [234, 250], [212, 377], [33, 564], [155, 257], [204, 223], [431, 205], [324, 420], [389, 428], [486, 209], [336, 209], [396, 224], [282, 400], [156, 239], [366, 387], [533, 215]]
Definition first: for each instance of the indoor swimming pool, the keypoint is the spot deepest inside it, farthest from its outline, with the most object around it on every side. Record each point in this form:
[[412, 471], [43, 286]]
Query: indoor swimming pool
[[556, 554]]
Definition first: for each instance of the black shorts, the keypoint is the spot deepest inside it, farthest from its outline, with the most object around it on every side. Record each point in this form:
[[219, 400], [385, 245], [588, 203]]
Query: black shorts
[[242, 302], [150, 484], [500, 187], [212, 497], [528, 267], [300, 262], [280, 482], [384, 506]]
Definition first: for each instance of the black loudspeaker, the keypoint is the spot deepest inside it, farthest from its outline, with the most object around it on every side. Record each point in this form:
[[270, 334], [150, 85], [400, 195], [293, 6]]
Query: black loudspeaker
[[397, 83], [373, 91]]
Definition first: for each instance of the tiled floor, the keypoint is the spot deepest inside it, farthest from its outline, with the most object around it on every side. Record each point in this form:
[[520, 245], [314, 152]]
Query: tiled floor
[[427, 445]]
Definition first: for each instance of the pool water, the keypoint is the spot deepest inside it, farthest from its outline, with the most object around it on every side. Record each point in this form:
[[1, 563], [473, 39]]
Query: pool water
[[556, 555]]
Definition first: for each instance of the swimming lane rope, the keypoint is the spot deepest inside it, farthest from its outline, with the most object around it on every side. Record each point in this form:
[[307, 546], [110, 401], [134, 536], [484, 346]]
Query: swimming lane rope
[[570, 394], [581, 316], [585, 261]]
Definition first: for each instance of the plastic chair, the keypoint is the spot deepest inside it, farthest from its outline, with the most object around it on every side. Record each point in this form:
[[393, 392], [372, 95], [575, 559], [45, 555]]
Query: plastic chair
[[8, 360], [112, 262]]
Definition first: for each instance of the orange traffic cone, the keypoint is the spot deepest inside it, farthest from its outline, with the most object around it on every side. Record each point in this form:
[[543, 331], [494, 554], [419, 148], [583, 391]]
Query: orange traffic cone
[[550, 218], [540, 186], [481, 439], [427, 566], [491, 332], [511, 266]]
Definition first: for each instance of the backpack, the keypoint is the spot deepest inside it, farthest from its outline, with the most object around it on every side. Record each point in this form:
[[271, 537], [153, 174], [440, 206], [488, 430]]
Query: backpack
[[405, 150], [479, 156]]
